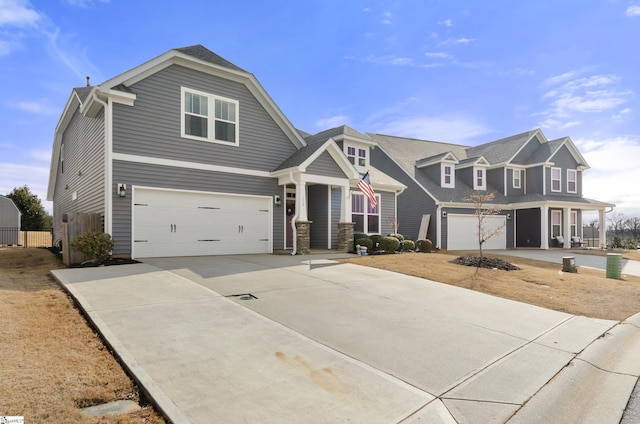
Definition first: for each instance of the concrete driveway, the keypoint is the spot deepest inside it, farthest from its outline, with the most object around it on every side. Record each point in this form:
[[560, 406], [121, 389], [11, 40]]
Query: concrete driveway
[[266, 338]]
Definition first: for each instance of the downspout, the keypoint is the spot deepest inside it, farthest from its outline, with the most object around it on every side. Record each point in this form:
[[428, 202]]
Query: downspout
[[294, 218], [439, 226], [108, 202]]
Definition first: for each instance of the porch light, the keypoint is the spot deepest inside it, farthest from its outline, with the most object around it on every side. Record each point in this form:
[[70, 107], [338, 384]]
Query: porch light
[[122, 190]]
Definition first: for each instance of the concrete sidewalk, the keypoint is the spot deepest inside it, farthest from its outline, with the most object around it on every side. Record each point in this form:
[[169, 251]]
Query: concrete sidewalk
[[264, 338]]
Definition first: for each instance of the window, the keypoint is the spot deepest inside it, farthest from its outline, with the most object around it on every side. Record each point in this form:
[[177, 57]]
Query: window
[[556, 179], [517, 178], [572, 181], [479, 182], [362, 157], [357, 156], [447, 176], [574, 223], [351, 154], [367, 219], [208, 117], [556, 223]]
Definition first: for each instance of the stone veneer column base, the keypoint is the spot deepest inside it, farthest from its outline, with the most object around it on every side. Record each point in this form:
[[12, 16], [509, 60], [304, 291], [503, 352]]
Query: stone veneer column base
[[345, 236], [303, 237]]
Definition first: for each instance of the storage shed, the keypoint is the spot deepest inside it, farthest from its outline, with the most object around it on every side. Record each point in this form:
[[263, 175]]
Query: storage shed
[[9, 222]]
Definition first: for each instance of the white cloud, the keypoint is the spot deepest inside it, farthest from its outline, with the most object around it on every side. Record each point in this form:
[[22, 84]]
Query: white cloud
[[84, 3], [399, 61], [332, 122], [447, 128], [40, 107], [570, 95], [386, 18], [614, 171], [632, 11], [438, 55], [17, 13], [446, 22], [454, 41], [17, 175]]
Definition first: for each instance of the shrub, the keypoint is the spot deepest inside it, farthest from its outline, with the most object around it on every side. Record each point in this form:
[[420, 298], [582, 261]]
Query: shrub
[[616, 243], [375, 238], [629, 244], [408, 245], [94, 246], [389, 244], [366, 242], [424, 246], [400, 237]]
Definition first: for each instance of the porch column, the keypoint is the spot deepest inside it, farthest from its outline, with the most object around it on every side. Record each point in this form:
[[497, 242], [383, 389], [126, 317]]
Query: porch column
[[544, 227], [602, 230], [301, 201], [345, 226], [566, 227]]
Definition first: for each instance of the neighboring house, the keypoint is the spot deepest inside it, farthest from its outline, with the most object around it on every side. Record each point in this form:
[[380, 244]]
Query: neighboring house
[[537, 184], [187, 155], [9, 222]]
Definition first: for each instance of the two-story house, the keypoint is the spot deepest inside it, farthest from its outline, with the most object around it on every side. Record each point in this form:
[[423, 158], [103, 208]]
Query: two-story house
[[187, 154], [536, 183]]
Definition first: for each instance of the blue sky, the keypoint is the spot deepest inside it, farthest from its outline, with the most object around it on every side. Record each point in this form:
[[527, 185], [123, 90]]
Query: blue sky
[[457, 71]]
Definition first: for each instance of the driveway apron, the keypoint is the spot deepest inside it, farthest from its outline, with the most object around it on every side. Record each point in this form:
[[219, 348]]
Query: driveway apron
[[268, 338]]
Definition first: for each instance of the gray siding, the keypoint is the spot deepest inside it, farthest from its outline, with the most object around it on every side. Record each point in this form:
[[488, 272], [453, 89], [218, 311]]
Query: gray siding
[[412, 203], [325, 166], [9, 213], [435, 172], [495, 178], [336, 198], [186, 179], [387, 211], [511, 191], [84, 170], [152, 126], [526, 152], [319, 215], [535, 180], [466, 175], [564, 160]]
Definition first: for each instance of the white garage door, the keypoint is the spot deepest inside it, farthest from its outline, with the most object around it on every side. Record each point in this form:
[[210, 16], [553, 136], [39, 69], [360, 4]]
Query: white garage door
[[462, 232], [183, 223]]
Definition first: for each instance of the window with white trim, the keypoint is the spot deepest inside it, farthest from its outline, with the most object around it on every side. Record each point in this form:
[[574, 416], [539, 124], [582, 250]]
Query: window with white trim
[[517, 178], [357, 156], [447, 177], [209, 117], [367, 219], [479, 179], [574, 223], [556, 223], [572, 181], [556, 179]]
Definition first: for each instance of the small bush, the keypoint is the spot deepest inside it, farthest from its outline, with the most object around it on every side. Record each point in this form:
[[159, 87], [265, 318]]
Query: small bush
[[366, 242], [424, 246], [94, 246], [408, 245], [400, 237], [389, 244], [375, 238]]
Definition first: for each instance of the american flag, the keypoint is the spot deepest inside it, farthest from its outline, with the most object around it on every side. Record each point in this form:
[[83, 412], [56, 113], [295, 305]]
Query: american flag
[[365, 186]]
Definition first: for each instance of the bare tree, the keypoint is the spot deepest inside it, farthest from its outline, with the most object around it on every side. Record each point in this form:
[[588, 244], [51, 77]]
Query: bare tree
[[484, 209], [633, 225], [616, 223]]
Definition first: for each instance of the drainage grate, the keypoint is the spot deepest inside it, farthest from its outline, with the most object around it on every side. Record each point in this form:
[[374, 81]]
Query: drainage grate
[[243, 296]]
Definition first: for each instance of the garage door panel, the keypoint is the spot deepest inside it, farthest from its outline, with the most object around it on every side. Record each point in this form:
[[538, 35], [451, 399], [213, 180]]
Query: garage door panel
[[174, 223], [462, 232]]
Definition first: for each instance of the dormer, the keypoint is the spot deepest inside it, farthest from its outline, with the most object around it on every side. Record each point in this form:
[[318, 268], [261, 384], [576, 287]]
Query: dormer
[[441, 168], [475, 172]]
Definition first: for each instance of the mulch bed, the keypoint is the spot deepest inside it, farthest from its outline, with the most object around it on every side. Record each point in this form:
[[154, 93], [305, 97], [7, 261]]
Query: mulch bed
[[490, 263]]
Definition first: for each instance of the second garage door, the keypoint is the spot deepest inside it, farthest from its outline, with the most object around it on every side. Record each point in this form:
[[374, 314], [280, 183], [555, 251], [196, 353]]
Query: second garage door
[[462, 232], [183, 223]]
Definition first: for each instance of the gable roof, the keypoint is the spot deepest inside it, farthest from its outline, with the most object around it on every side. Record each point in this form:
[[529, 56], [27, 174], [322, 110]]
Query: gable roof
[[504, 149], [200, 52]]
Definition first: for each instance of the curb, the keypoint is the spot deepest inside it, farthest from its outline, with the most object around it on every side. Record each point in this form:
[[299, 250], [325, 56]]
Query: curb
[[595, 386]]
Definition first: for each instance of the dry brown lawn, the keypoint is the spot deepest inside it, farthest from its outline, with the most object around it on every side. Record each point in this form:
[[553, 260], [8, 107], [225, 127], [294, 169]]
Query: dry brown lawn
[[587, 292], [52, 362]]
